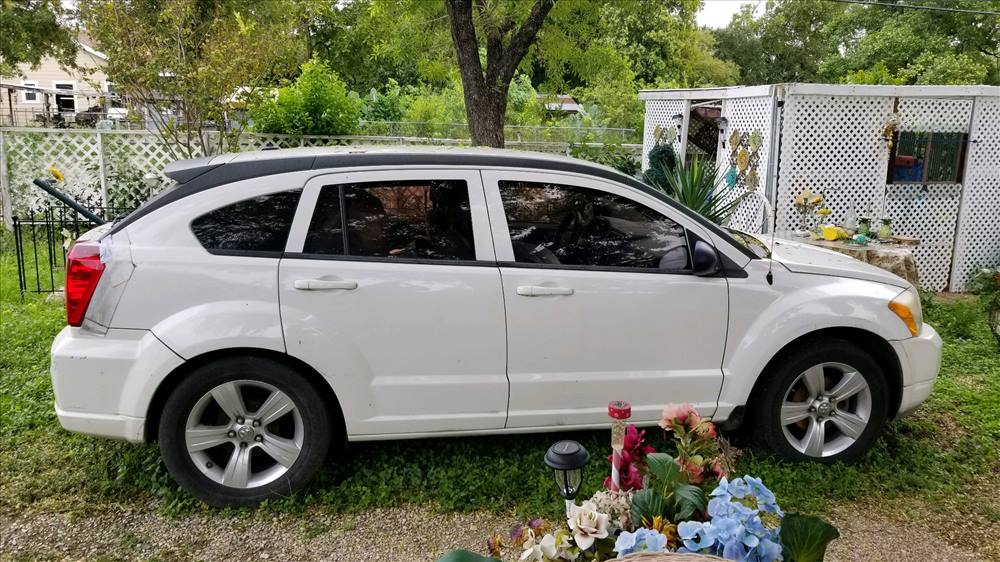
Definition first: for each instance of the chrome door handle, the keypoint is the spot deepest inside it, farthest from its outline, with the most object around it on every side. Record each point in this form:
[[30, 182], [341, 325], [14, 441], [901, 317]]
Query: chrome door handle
[[324, 285], [540, 291]]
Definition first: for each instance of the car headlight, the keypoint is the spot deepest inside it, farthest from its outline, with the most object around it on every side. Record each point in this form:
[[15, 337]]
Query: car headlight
[[906, 305]]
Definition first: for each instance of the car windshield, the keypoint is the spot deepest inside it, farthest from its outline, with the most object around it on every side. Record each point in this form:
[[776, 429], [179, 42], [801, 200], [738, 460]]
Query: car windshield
[[750, 242]]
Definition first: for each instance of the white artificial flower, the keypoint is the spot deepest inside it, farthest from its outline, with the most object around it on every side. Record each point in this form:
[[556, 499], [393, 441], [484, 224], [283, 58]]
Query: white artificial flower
[[532, 550], [587, 524]]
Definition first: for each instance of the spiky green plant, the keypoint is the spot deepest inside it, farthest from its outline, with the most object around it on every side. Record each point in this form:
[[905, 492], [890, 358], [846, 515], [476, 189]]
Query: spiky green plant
[[699, 187]]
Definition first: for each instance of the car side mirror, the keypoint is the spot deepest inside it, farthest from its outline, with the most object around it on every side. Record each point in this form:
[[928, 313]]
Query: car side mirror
[[705, 259]]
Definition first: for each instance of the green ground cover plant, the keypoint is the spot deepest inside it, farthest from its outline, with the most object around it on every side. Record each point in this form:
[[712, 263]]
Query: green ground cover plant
[[937, 462]]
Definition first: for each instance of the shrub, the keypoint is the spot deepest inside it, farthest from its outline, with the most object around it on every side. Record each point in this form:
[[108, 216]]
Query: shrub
[[612, 155], [387, 105], [317, 103]]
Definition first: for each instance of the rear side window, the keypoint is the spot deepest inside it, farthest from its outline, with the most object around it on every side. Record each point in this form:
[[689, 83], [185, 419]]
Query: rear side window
[[259, 224], [414, 219], [552, 224]]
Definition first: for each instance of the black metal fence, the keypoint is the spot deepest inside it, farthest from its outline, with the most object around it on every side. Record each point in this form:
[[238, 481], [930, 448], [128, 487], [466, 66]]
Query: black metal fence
[[41, 242]]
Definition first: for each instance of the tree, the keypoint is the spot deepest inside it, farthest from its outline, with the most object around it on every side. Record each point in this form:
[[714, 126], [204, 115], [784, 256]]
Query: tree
[[317, 103], [192, 65], [31, 31], [916, 46], [507, 42], [785, 44]]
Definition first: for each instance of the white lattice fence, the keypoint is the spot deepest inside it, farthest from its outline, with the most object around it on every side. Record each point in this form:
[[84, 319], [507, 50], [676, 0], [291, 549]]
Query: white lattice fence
[[106, 168], [978, 239], [660, 125], [744, 156]]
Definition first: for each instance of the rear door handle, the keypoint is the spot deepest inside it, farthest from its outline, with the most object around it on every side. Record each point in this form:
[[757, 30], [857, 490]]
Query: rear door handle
[[324, 285], [540, 291]]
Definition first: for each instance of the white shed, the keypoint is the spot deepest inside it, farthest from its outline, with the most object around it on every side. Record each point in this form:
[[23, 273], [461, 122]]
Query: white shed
[[926, 156]]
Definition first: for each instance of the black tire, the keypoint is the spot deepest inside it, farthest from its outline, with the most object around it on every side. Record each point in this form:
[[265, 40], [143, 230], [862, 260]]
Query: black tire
[[768, 430], [312, 412]]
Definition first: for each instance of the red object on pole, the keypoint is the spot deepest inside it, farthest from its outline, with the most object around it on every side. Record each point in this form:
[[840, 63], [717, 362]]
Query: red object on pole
[[619, 411]]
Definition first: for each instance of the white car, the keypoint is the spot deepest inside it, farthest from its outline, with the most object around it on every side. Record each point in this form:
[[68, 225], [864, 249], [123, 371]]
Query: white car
[[271, 306]]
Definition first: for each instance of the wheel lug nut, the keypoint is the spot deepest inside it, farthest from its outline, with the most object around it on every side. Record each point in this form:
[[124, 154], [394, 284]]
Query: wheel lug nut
[[231, 433], [258, 438], [243, 445], [811, 409], [256, 423], [208, 464], [240, 420]]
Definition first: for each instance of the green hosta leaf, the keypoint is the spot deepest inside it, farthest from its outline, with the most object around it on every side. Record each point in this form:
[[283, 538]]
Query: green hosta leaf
[[804, 537], [647, 504], [464, 556], [662, 468], [688, 500]]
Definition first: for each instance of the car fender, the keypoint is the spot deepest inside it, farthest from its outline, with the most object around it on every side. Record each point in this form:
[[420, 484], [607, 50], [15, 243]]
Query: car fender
[[765, 319]]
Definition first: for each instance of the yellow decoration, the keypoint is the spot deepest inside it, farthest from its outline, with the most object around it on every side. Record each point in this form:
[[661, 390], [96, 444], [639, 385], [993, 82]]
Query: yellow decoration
[[830, 232], [56, 173], [824, 211], [743, 159]]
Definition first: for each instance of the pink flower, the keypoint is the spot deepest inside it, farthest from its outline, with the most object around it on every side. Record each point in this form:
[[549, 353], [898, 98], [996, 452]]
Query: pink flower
[[717, 469], [696, 472], [693, 419], [675, 412], [630, 478], [708, 430], [635, 444]]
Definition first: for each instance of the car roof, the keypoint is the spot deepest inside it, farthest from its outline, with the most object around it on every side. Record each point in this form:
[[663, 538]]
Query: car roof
[[263, 162]]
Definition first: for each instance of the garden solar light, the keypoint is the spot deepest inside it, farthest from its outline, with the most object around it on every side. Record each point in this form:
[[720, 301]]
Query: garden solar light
[[722, 124], [567, 459], [679, 120]]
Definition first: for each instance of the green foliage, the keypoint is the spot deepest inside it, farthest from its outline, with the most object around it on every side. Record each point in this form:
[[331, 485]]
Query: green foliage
[[986, 284], [962, 320], [612, 155], [523, 107], [698, 187], [667, 495], [804, 538], [32, 31], [193, 64], [464, 556], [317, 103], [662, 163], [385, 105]]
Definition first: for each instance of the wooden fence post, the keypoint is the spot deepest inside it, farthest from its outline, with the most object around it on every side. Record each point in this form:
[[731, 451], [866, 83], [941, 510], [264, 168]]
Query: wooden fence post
[[5, 191]]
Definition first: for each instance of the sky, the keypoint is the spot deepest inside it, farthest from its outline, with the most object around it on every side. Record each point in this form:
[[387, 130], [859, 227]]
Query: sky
[[717, 13]]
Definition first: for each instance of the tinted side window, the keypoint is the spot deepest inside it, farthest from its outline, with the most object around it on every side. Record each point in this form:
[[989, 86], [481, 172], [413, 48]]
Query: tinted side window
[[568, 225], [259, 224], [419, 219]]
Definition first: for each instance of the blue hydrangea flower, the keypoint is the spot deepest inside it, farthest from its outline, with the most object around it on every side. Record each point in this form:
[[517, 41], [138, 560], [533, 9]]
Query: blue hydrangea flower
[[736, 531], [643, 540]]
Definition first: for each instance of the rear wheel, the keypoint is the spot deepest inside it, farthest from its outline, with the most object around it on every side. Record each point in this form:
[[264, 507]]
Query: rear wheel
[[243, 429], [825, 402]]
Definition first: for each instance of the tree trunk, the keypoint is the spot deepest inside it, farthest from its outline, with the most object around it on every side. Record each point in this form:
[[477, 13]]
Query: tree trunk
[[486, 111], [485, 92]]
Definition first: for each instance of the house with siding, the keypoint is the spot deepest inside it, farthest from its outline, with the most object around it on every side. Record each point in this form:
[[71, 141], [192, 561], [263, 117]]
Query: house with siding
[[52, 95]]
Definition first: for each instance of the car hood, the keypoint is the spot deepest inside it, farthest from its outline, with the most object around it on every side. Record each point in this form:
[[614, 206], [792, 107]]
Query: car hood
[[805, 258]]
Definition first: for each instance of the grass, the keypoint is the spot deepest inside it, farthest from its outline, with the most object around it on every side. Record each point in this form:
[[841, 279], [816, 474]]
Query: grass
[[934, 464]]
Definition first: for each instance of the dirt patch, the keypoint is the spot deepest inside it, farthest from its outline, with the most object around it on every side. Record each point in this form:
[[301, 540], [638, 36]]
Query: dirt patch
[[414, 533]]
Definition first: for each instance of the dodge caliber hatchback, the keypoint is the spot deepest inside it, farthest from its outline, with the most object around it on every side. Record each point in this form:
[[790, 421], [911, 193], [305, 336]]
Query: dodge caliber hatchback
[[271, 306]]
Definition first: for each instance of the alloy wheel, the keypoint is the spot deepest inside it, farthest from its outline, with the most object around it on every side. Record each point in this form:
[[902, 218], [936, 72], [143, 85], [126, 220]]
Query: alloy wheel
[[244, 434], [826, 409]]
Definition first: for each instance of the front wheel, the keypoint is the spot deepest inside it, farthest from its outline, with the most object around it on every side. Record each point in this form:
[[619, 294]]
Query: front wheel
[[825, 402], [240, 430]]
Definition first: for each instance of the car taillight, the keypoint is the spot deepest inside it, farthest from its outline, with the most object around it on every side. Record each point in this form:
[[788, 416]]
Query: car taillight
[[83, 271]]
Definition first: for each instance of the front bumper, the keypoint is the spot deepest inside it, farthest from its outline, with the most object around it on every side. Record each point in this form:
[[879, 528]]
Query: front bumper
[[103, 383], [920, 358]]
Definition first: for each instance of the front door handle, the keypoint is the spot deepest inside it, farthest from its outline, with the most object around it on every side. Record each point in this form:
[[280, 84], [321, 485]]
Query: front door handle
[[324, 285], [540, 291]]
